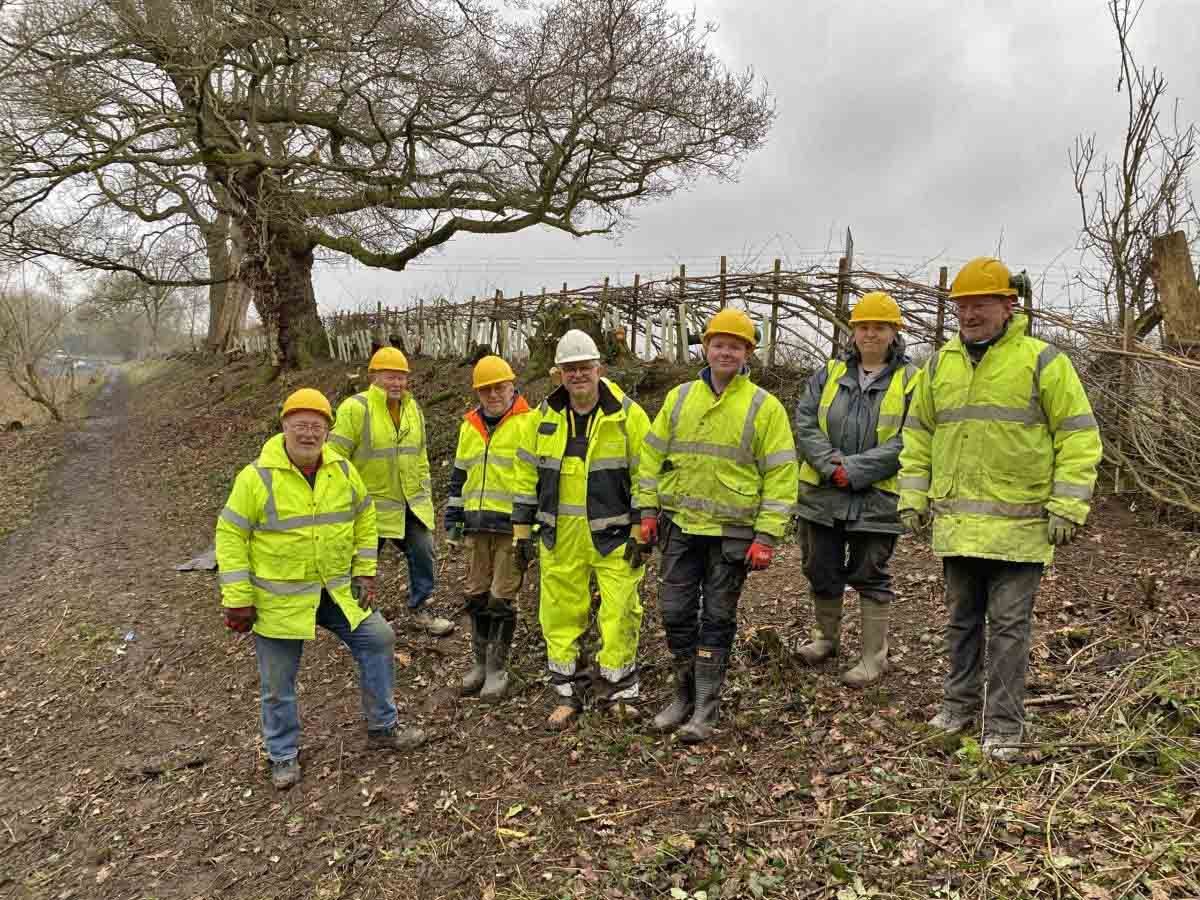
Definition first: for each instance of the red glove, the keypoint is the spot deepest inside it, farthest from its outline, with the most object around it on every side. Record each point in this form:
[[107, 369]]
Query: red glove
[[840, 478], [239, 618], [650, 530], [759, 556]]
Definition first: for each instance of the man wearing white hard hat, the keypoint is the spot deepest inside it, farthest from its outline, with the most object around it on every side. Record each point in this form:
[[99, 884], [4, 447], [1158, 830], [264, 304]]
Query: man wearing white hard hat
[[580, 464]]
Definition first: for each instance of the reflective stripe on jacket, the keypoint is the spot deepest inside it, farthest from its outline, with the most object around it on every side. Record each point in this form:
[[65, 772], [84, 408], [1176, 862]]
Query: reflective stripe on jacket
[[281, 542], [835, 417], [612, 460], [392, 458], [994, 447], [483, 484], [721, 464]]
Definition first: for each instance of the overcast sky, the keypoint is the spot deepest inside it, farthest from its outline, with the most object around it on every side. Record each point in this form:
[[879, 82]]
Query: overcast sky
[[934, 130]]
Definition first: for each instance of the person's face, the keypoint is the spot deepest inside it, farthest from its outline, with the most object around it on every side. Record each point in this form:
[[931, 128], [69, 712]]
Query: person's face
[[873, 338], [582, 380], [496, 398], [395, 383], [982, 318], [726, 355], [304, 434]]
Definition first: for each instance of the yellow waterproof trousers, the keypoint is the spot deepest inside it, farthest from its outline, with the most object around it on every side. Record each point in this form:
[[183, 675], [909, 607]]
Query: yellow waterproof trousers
[[565, 601]]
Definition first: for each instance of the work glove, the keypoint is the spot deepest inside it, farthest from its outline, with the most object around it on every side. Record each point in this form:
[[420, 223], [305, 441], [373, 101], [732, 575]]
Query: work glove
[[650, 530], [759, 556], [523, 549], [362, 589], [454, 537], [916, 521], [239, 618], [840, 478], [1060, 531]]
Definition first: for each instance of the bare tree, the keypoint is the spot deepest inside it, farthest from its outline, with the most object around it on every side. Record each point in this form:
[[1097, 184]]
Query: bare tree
[[31, 323], [370, 128], [1128, 201]]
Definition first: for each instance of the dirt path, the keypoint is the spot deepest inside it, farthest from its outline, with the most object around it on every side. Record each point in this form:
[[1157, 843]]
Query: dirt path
[[131, 767]]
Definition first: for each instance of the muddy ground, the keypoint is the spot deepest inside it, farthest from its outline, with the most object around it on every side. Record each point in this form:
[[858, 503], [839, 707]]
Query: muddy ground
[[131, 766]]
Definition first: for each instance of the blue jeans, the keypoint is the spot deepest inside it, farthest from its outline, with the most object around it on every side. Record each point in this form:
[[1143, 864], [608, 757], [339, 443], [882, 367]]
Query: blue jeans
[[371, 643], [417, 546]]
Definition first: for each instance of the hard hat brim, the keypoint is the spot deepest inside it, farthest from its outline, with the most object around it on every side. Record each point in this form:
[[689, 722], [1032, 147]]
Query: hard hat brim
[[488, 382], [988, 292], [295, 409], [898, 325], [709, 335]]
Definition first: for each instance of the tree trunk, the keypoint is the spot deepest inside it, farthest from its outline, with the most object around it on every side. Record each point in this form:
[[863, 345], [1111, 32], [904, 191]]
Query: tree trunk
[[228, 296], [284, 298]]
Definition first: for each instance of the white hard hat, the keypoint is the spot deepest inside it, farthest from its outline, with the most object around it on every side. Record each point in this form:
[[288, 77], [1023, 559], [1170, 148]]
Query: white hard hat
[[575, 346]]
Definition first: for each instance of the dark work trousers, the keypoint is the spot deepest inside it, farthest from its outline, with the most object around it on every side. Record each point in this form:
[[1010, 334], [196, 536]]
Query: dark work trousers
[[700, 581], [835, 557], [1001, 594]]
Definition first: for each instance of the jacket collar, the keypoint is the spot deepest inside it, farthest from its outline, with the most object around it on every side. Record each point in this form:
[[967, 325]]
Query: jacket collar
[[475, 416], [274, 455], [734, 382], [610, 398]]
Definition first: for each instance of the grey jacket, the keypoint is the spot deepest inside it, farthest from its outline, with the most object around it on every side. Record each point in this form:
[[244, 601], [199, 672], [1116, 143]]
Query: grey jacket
[[853, 417]]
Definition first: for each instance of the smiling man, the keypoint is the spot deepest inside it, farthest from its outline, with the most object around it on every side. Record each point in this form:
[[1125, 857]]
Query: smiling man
[[1000, 451], [479, 514], [296, 549], [717, 488], [576, 476]]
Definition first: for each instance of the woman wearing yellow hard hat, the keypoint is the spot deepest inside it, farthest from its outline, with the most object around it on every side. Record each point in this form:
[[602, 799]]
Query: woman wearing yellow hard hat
[[848, 432]]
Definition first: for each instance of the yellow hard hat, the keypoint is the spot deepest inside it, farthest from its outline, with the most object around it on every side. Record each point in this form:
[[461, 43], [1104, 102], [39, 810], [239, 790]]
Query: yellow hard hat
[[491, 370], [309, 399], [734, 322], [877, 307], [981, 277], [386, 358]]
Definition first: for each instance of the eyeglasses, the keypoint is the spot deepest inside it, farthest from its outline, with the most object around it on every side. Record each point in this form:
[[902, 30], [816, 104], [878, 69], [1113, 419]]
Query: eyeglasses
[[299, 428]]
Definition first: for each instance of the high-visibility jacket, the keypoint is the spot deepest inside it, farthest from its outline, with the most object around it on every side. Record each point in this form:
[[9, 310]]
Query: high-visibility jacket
[[617, 429], [996, 446], [281, 542], [392, 458], [837, 418], [721, 464], [483, 484]]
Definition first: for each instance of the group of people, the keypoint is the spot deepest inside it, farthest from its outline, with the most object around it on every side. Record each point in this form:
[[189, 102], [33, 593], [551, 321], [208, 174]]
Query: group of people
[[992, 441]]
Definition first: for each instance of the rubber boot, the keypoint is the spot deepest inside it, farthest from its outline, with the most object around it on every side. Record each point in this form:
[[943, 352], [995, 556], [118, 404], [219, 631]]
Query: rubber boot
[[681, 708], [480, 623], [828, 612], [874, 644], [503, 624], [710, 677]]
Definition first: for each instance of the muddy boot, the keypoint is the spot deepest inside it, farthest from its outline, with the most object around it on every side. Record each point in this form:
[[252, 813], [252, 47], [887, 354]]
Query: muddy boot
[[396, 739], [874, 644], [828, 612], [710, 677], [473, 680], [684, 704], [285, 775], [503, 624]]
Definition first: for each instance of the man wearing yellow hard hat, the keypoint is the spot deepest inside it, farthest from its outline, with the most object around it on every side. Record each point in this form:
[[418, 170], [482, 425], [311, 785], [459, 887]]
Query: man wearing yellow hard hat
[[1000, 451], [716, 488], [848, 427], [382, 431], [296, 548], [575, 479], [483, 488]]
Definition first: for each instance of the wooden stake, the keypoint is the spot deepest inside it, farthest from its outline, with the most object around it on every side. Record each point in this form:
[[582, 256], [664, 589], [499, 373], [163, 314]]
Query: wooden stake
[[724, 287], [681, 317], [939, 335], [843, 288], [633, 315], [774, 316]]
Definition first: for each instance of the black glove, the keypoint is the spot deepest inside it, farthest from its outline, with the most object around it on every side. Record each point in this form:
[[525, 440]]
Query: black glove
[[524, 552], [636, 553]]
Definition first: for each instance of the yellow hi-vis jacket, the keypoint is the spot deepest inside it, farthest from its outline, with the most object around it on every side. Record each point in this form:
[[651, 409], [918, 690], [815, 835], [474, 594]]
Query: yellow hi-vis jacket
[[391, 458], [721, 464], [483, 484], [617, 429], [996, 446], [280, 542]]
